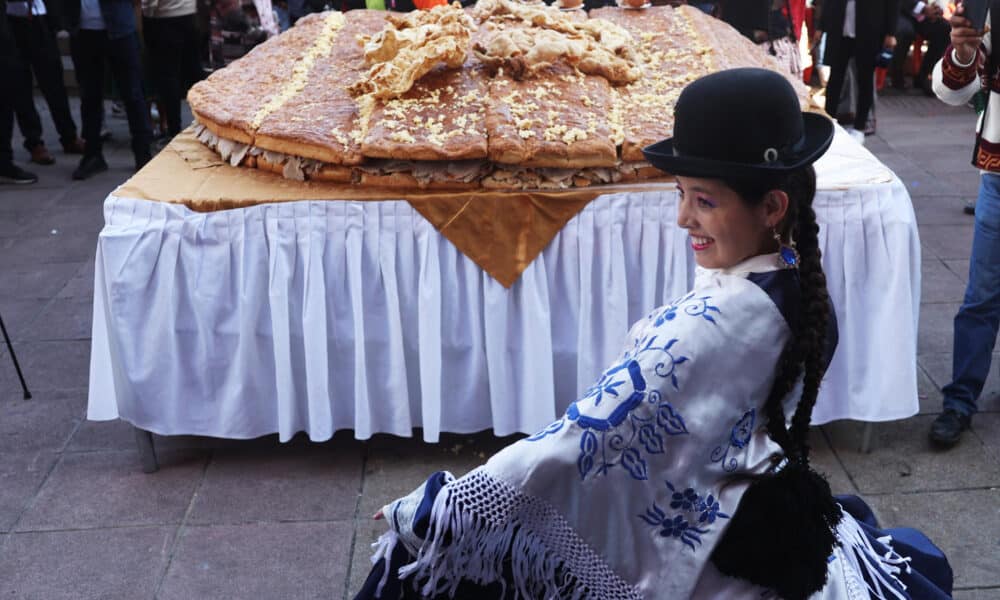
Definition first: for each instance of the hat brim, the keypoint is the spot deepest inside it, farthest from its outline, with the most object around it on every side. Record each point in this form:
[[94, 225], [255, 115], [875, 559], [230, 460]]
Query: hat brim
[[818, 134]]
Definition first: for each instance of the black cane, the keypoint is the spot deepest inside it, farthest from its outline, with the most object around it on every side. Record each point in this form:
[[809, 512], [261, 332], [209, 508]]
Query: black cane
[[17, 367]]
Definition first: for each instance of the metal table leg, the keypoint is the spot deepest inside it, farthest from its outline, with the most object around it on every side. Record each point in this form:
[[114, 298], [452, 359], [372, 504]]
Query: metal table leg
[[147, 453], [13, 357], [866, 437]]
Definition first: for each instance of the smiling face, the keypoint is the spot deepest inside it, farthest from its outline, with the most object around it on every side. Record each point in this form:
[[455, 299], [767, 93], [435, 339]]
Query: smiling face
[[725, 230]]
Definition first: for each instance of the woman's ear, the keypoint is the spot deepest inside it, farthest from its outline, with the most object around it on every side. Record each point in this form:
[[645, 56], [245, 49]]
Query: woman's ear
[[774, 207]]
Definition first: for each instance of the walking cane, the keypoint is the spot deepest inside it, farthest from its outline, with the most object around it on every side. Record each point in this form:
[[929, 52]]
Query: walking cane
[[17, 367]]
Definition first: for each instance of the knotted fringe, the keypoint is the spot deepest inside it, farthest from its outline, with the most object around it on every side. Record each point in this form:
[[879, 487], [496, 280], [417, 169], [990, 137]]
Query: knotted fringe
[[880, 571], [384, 546], [505, 541]]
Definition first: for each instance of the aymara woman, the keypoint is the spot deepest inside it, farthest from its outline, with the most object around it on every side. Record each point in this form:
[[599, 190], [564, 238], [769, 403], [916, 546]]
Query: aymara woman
[[683, 472]]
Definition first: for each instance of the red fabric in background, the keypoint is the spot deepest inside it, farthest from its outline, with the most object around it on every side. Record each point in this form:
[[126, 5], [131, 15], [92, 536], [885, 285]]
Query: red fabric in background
[[798, 8]]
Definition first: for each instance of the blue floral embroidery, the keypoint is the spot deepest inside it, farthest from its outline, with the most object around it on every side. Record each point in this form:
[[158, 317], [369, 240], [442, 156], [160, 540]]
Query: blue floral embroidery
[[552, 428], [602, 445], [681, 526], [739, 437], [692, 306]]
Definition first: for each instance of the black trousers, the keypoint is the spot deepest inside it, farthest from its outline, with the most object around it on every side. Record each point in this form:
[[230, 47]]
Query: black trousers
[[172, 48], [6, 106], [865, 62], [91, 49], [39, 53], [938, 36]]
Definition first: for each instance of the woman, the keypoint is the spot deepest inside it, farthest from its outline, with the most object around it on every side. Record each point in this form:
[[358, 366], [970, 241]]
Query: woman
[[683, 472]]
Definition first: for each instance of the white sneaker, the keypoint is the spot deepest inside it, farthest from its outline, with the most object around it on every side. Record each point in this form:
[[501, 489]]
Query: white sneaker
[[857, 136]]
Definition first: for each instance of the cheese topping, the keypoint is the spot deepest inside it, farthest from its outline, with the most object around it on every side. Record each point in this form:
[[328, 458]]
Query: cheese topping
[[300, 72]]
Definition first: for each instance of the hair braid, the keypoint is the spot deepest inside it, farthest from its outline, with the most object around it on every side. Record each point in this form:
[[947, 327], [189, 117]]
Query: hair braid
[[787, 517], [814, 321]]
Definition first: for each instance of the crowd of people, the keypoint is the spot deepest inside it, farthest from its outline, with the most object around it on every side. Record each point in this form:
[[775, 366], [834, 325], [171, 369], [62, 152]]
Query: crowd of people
[[104, 38], [145, 54], [154, 54]]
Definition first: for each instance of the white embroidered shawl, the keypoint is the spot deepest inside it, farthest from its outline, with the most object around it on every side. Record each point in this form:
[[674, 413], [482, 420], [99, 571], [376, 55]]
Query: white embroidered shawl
[[629, 492]]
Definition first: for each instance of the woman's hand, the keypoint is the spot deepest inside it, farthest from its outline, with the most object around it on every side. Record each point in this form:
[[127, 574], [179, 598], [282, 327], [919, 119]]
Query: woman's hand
[[964, 39], [378, 516]]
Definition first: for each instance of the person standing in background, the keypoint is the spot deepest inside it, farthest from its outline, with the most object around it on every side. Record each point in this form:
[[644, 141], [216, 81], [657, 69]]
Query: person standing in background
[[101, 32], [770, 24], [927, 20], [749, 17], [964, 71], [171, 36], [858, 29], [9, 172], [38, 52]]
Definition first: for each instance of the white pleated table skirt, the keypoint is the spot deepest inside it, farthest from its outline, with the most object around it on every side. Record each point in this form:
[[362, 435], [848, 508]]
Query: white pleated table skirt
[[318, 316]]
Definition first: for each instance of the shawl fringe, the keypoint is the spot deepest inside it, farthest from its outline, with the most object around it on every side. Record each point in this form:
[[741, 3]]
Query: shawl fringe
[[508, 545], [384, 547], [878, 570]]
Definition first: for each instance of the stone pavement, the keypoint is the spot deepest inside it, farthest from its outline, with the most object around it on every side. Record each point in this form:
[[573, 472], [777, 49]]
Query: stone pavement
[[241, 519]]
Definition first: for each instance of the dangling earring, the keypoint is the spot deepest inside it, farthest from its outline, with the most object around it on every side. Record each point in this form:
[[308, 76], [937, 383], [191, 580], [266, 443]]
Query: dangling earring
[[788, 256]]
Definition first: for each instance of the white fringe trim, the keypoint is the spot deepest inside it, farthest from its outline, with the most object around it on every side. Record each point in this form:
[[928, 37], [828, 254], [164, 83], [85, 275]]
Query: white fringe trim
[[474, 532], [384, 547], [881, 570]]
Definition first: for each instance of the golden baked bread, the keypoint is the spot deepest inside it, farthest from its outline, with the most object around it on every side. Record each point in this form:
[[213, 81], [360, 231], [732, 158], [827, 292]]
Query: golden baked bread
[[504, 95]]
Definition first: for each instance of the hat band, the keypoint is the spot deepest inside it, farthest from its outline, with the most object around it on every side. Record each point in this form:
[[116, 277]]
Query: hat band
[[771, 155]]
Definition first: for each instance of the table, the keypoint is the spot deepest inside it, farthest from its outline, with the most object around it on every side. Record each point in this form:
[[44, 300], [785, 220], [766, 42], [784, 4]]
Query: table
[[321, 315]]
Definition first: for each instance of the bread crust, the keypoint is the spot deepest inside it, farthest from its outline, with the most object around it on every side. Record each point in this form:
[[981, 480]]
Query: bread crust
[[336, 173], [556, 119], [223, 131], [440, 118], [294, 147]]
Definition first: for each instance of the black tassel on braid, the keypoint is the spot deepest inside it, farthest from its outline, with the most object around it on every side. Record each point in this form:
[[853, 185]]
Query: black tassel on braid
[[781, 535]]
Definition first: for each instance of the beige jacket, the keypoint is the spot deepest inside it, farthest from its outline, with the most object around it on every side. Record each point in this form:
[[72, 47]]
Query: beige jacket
[[168, 8]]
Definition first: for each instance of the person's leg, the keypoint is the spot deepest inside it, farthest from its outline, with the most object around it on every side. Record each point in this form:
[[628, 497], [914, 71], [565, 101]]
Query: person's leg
[[28, 120], [979, 316], [6, 120], [905, 35], [164, 44], [191, 70], [47, 65], [865, 62], [838, 71], [127, 69], [9, 172], [938, 36], [88, 49]]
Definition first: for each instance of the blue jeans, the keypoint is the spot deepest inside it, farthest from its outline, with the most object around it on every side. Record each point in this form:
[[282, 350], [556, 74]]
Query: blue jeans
[[977, 320]]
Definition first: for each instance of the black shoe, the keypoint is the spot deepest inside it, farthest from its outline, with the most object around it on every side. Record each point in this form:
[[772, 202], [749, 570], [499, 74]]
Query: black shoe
[[11, 173], [947, 428], [969, 208], [90, 166]]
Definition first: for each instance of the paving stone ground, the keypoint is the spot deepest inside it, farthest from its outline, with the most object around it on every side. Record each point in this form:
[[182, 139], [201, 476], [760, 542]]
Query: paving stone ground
[[259, 519]]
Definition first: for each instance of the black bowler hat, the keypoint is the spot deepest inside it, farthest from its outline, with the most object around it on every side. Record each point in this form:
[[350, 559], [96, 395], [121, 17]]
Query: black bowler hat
[[740, 123]]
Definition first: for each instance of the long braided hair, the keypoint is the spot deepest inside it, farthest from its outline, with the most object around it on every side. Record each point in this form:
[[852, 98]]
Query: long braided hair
[[782, 533]]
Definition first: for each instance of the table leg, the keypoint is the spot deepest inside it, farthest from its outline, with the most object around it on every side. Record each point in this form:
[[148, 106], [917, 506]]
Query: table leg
[[866, 437], [147, 453]]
